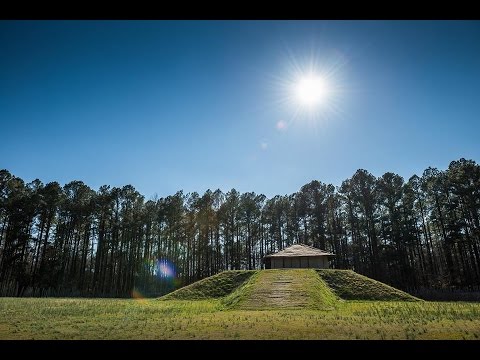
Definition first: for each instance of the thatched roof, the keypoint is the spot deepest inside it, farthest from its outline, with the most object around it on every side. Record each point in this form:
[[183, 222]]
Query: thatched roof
[[300, 250]]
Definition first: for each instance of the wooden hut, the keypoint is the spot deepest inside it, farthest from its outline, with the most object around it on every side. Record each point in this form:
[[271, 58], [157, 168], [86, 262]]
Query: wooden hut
[[298, 256]]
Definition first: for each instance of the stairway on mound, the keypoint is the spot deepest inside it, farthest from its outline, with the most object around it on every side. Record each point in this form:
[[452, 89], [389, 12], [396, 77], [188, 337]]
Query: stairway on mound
[[280, 288]]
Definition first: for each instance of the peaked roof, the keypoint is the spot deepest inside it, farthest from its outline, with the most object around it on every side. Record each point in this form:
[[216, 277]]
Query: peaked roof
[[300, 250]]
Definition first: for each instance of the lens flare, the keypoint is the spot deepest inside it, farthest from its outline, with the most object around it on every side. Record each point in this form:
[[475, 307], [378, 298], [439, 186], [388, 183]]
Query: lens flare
[[165, 269], [138, 296], [157, 277], [281, 125]]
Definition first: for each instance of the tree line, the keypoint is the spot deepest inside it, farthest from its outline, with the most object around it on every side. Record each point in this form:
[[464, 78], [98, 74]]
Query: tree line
[[75, 241]]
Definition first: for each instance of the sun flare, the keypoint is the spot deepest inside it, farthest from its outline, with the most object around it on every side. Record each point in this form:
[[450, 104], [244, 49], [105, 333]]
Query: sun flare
[[311, 90]]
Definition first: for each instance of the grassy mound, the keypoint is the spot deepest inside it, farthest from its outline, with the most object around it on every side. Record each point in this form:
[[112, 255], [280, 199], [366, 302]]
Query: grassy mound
[[349, 285], [288, 289], [216, 286]]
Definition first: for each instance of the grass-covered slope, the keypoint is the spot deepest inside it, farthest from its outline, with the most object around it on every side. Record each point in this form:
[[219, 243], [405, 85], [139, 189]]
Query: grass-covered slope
[[216, 286], [283, 289], [349, 285]]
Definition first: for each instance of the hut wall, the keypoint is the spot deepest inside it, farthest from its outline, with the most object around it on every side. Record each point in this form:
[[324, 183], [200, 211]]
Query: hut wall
[[316, 262], [277, 263]]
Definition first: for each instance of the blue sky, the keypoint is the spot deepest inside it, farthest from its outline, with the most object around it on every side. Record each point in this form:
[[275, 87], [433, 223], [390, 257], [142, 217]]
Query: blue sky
[[192, 105]]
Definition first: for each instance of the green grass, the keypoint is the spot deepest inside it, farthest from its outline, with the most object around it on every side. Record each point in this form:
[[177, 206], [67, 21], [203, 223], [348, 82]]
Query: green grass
[[283, 289], [216, 286], [241, 293], [33, 318], [349, 285]]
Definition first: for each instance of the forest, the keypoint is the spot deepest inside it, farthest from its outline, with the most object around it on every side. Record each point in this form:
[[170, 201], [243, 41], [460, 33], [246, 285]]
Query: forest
[[72, 240]]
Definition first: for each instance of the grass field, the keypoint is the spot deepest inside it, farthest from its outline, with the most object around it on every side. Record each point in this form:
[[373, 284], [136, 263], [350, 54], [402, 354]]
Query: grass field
[[267, 304], [29, 318]]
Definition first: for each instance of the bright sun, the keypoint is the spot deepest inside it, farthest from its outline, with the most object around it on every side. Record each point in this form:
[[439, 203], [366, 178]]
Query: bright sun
[[311, 90]]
